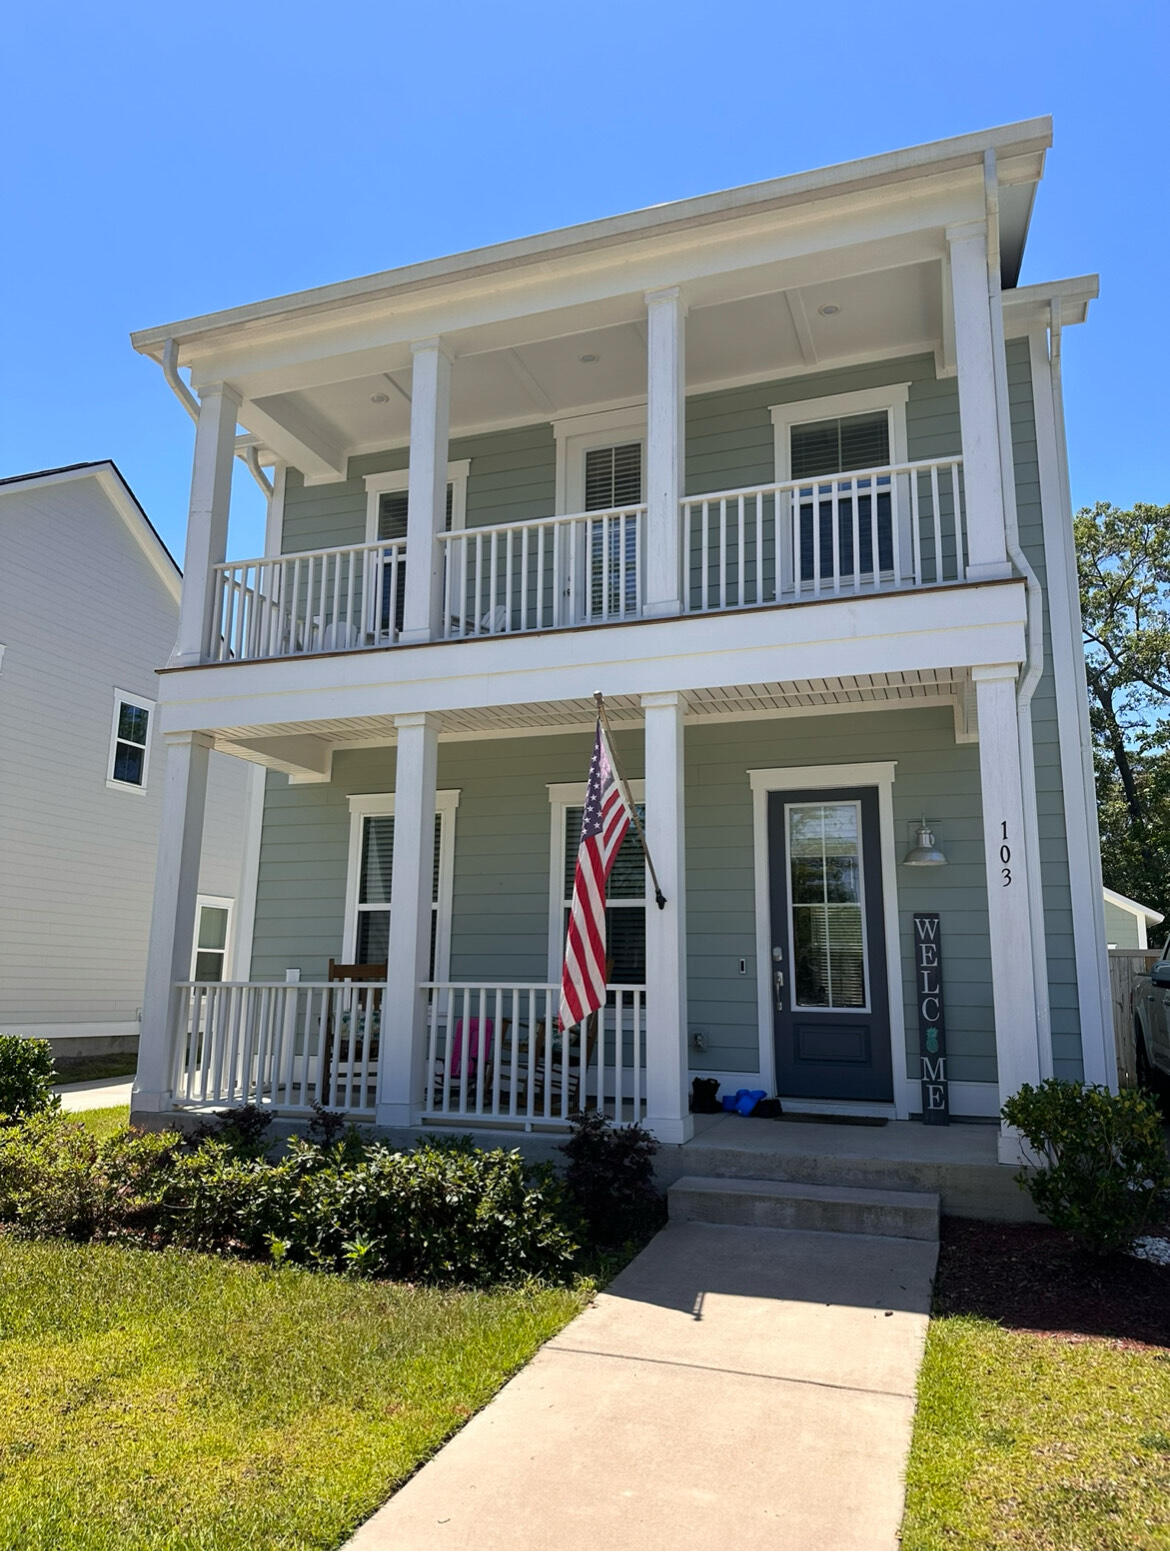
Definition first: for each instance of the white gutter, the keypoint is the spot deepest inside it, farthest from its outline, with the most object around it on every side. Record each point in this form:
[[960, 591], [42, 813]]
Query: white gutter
[[249, 456], [1034, 660]]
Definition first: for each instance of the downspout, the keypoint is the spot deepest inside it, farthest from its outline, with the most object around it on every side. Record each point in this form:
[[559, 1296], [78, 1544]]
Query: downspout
[[1034, 660], [249, 456]]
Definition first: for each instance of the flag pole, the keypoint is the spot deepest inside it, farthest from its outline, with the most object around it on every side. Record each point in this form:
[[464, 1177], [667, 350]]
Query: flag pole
[[599, 698]]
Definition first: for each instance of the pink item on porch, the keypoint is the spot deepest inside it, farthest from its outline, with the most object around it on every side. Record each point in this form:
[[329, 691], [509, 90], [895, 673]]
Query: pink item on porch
[[481, 1041]]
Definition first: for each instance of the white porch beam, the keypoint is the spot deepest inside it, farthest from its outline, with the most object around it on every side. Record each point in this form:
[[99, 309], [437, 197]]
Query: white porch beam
[[207, 518], [1013, 969], [426, 500], [172, 921], [302, 755], [401, 1071], [665, 440], [667, 1107], [297, 436], [975, 369]]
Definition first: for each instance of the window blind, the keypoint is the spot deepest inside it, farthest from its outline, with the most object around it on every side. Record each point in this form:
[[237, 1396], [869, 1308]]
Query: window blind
[[613, 477], [392, 513], [835, 446]]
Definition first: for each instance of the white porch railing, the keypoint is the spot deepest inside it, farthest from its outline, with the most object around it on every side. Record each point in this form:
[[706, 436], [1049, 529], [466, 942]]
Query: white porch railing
[[310, 601], [494, 1053], [584, 569], [279, 1044], [892, 527]]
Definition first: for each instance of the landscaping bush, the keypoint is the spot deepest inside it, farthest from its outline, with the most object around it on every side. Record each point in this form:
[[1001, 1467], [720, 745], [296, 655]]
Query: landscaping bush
[[610, 1180], [1103, 1169], [26, 1077]]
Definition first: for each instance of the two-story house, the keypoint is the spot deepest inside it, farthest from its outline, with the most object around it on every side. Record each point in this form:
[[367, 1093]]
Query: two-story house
[[89, 606], [780, 471]]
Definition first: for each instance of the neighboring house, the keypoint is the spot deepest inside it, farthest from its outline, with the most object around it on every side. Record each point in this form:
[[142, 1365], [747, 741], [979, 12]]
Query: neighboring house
[[779, 470], [1127, 923], [89, 607]]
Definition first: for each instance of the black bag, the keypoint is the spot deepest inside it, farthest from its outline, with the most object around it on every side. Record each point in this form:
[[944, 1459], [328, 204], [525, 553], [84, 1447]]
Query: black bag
[[704, 1096], [769, 1109]]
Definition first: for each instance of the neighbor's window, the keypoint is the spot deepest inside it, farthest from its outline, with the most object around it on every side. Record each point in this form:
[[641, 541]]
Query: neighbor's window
[[625, 906], [130, 742], [212, 924]]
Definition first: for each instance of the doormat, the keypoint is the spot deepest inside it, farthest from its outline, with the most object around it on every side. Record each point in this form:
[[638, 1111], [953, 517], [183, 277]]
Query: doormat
[[834, 1120]]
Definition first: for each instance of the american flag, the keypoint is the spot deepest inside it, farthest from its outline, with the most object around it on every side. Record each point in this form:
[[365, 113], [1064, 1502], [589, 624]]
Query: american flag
[[603, 827]]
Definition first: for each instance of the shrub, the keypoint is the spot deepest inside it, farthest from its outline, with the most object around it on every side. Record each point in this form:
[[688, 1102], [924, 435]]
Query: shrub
[[610, 1180], [26, 1077], [1103, 1167]]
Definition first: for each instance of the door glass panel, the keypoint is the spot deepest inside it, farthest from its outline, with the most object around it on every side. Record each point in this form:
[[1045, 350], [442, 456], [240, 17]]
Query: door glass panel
[[825, 901]]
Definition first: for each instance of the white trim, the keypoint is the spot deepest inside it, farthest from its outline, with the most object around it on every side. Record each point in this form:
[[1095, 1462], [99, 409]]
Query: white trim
[[458, 470], [891, 397], [141, 703], [257, 782], [361, 806], [274, 520], [563, 795], [577, 434], [1133, 906], [215, 903], [874, 773]]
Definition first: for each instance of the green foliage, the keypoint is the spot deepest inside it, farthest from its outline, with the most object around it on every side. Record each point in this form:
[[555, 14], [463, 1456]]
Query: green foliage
[[1123, 559], [26, 1077], [1103, 1169], [610, 1180], [435, 1214]]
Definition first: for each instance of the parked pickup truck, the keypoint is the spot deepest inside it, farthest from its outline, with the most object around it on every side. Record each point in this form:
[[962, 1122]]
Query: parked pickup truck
[[1151, 1012]]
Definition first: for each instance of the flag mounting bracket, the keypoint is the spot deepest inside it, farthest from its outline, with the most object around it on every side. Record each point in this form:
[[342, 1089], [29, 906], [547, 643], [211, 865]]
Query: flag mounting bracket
[[599, 699]]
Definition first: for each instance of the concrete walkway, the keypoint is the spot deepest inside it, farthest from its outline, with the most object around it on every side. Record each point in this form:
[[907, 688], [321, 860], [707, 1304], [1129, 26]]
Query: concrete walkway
[[733, 1388], [96, 1094]]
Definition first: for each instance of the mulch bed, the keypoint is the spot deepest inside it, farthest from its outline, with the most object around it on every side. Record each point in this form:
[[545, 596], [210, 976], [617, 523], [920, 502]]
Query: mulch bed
[[1030, 1277]]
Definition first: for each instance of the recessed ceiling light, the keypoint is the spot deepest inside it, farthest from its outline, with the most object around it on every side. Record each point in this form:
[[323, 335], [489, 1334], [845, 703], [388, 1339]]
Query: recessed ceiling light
[[828, 310], [588, 358], [379, 398]]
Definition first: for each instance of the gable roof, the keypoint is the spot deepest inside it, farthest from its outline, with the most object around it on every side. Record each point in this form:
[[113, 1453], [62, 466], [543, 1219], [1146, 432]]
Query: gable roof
[[1133, 906], [112, 483]]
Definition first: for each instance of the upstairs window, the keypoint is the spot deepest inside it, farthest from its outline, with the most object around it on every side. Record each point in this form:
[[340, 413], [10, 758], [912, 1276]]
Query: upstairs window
[[613, 480], [129, 741]]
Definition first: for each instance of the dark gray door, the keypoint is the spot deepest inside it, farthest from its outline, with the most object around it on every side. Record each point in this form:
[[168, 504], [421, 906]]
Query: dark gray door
[[829, 987]]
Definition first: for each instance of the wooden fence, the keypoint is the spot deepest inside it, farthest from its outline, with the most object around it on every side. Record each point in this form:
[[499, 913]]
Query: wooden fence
[[1125, 965]]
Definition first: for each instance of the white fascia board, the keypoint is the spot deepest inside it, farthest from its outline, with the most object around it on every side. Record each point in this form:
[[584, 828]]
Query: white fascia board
[[124, 502], [950, 627], [1134, 907], [1026, 306], [1027, 138]]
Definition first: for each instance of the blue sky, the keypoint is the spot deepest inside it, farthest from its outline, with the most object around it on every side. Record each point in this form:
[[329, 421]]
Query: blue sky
[[168, 160]]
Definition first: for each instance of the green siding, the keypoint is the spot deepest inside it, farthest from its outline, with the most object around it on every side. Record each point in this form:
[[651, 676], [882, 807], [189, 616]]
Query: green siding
[[1121, 927]]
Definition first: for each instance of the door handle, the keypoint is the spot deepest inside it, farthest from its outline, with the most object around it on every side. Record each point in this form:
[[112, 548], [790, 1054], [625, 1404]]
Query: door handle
[[778, 980]]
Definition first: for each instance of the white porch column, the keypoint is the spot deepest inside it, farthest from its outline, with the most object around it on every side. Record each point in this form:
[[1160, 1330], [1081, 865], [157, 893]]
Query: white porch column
[[1017, 1043], [172, 921], [207, 517], [975, 369], [667, 1102], [665, 437], [426, 501], [401, 1075]]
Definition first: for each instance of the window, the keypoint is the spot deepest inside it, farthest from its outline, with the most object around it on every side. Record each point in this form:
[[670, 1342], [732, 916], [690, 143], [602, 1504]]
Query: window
[[371, 866], [818, 438], [213, 921], [613, 479], [625, 911], [825, 892], [129, 741], [386, 504]]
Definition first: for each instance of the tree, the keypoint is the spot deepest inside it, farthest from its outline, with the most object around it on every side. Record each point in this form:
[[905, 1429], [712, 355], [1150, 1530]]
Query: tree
[[1123, 561]]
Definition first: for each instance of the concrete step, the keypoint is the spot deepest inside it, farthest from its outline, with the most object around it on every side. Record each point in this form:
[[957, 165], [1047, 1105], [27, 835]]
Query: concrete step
[[793, 1204]]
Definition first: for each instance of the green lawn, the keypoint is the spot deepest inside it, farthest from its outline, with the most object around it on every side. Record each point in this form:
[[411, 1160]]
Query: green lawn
[[174, 1400], [1023, 1440], [104, 1122]]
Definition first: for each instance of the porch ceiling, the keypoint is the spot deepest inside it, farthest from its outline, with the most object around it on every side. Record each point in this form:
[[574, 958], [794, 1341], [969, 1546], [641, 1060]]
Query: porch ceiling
[[308, 743]]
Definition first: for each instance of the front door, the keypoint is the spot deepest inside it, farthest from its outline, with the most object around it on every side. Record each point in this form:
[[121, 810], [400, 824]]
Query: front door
[[829, 988]]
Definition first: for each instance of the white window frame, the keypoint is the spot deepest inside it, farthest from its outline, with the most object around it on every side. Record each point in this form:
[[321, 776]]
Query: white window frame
[[364, 805], [577, 435], [378, 484], [216, 903], [141, 703], [562, 796], [795, 778], [813, 1007]]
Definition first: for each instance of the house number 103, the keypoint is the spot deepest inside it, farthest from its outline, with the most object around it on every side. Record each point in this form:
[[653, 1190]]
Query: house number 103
[[1005, 855]]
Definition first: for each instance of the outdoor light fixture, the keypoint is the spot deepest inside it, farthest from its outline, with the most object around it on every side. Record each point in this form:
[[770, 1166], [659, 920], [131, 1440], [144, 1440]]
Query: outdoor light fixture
[[828, 310], [925, 853], [589, 358], [379, 398]]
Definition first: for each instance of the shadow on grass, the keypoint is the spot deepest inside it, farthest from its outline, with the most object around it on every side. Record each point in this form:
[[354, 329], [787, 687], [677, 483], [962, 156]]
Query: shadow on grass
[[1029, 1277]]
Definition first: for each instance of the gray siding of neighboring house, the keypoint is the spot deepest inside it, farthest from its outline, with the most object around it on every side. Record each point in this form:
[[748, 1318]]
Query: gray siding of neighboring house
[[500, 910], [1121, 927], [77, 857]]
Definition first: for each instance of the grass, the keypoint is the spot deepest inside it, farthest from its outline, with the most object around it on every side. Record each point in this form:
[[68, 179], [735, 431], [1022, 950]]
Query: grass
[[175, 1400], [104, 1122], [1023, 1440]]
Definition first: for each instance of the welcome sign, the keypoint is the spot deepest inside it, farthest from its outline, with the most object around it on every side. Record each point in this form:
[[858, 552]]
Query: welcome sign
[[932, 1041]]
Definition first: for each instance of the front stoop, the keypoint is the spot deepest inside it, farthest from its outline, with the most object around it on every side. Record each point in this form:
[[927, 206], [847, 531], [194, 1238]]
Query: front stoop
[[792, 1204]]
